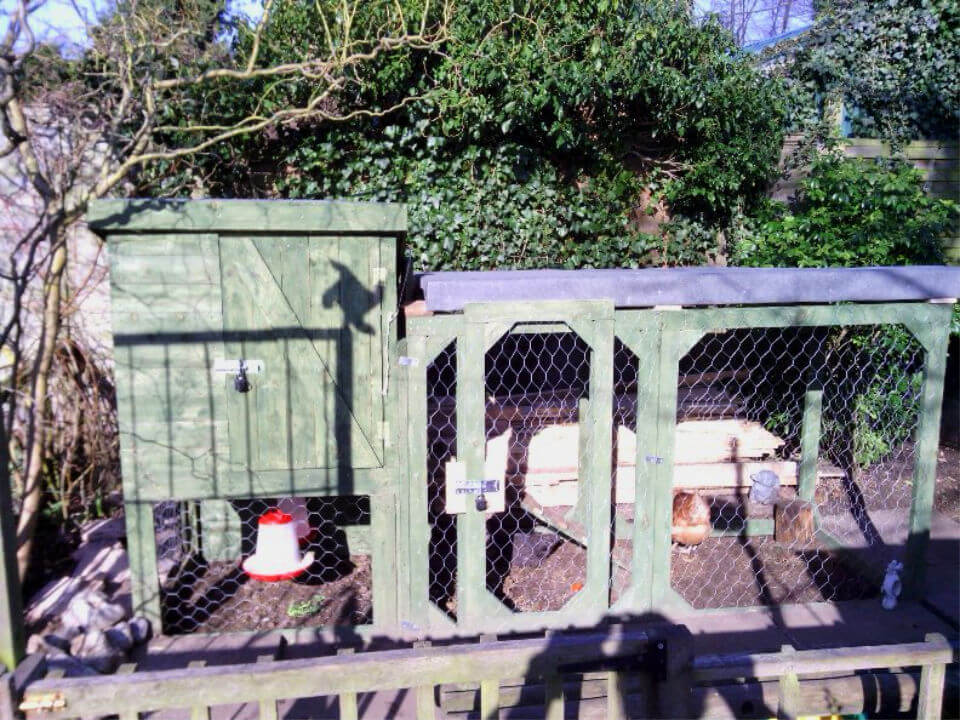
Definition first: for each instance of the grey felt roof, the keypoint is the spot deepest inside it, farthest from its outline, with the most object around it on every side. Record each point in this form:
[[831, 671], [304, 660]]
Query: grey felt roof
[[450, 291]]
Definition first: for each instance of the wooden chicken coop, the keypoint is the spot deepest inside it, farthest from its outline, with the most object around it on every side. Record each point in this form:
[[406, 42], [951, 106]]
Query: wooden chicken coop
[[505, 451]]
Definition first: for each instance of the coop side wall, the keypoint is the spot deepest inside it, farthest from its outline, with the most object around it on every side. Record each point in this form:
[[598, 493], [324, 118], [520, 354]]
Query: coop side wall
[[659, 339], [168, 318]]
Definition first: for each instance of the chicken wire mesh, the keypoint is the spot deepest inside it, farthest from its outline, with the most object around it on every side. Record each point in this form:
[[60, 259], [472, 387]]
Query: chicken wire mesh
[[742, 397], [205, 587], [441, 447], [536, 547]]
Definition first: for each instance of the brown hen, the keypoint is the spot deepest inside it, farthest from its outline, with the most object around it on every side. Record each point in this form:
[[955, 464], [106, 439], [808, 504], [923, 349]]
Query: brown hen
[[691, 519]]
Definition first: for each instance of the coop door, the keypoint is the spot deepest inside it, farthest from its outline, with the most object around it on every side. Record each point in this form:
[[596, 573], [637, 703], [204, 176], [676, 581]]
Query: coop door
[[305, 313], [535, 511]]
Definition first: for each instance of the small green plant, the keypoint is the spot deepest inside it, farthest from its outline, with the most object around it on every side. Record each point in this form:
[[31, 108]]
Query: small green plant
[[306, 608], [851, 212]]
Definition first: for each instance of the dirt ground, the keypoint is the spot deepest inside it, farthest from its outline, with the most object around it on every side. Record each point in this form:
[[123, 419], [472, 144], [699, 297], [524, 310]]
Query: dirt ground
[[219, 597], [550, 584]]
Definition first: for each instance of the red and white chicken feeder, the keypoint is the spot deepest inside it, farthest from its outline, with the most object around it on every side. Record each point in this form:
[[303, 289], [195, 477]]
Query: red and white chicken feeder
[[278, 549]]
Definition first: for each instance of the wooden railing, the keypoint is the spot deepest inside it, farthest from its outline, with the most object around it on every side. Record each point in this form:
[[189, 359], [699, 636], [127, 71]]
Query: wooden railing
[[647, 674]]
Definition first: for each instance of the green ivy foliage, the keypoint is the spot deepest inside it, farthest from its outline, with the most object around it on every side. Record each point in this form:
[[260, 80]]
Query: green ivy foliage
[[894, 63], [537, 129], [850, 212]]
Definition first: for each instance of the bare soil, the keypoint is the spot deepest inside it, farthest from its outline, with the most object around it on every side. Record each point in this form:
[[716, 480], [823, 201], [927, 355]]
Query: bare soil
[[219, 597], [549, 585]]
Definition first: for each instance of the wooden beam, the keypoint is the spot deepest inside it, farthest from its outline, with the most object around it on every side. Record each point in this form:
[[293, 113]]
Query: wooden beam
[[809, 443], [332, 675], [932, 682], [12, 636], [290, 216]]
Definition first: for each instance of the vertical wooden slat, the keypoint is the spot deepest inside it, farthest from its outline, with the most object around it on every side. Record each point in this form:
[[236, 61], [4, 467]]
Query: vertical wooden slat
[[128, 715], [788, 691], [597, 428], [415, 480], [426, 707], [809, 443], [268, 709], [644, 341], [347, 700], [616, 696], [202, 710], [384, 559], [553, 701], [471, 445], [11, 600], [932, 684], [142, 550], [661, 494], [925, 460], [489, 699]]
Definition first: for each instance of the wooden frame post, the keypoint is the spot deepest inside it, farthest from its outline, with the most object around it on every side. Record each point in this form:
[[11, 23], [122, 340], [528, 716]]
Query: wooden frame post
[[810, 442], [12, 635], [933, 336]]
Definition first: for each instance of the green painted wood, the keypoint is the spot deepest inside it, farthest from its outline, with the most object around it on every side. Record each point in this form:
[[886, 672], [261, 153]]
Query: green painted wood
[[925, 462], [640, 334], [596, 428], [932, 684], [471, 446], [490, 699], [129, 715], [616, 696], [415, 391], [200, 712], [426, 707], [173, 269], [788, 690], [549, 311], [553, 703], [383, 530], [142, 553], [709, 319], [661, 459], [12, 633], [302, 411], [292, 216], [268, 710], [809, 443], [331, 675]]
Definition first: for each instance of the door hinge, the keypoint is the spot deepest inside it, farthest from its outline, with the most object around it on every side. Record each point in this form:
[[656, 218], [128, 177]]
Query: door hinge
[[46, 702]]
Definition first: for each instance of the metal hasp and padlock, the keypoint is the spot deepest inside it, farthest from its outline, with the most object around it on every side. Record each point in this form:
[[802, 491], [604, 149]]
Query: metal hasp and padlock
[[241, 370]]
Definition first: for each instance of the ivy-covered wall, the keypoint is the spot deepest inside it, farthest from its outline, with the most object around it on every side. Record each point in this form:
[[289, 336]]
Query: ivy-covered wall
[[549, 130]]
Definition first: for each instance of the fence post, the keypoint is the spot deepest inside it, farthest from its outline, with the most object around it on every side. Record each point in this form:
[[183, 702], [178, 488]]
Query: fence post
[[932, 681], [11, 600], [934, 337], [810, 442]]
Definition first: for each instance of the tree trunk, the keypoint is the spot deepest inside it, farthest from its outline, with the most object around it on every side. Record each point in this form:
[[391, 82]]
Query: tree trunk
[[36, 431]]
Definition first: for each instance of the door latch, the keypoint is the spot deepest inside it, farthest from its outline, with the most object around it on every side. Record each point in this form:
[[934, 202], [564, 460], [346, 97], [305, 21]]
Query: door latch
[[240, 382]]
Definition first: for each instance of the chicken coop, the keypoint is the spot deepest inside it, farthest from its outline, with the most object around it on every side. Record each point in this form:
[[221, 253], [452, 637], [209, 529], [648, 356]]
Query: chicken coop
[[474, 452]]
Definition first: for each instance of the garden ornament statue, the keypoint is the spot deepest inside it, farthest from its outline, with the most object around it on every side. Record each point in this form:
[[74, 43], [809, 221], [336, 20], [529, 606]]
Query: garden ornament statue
[[278, 549], [892, 585]]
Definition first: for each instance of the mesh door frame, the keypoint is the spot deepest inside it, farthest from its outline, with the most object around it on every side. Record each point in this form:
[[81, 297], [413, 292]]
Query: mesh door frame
[[659, 337]]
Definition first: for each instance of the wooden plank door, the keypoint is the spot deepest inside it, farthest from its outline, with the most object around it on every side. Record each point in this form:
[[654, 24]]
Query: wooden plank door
[[308, 308]]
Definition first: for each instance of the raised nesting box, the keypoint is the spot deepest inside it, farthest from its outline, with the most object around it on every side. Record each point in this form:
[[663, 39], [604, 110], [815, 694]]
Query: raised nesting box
[[252, 342]]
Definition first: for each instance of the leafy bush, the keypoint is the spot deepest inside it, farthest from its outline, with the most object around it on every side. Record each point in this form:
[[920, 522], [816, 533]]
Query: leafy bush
[[536, 134], [894, 63], [848, 212]]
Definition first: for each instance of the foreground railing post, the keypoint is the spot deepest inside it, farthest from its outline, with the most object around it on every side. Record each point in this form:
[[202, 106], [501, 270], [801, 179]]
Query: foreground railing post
[[932, 681], [11, 600]]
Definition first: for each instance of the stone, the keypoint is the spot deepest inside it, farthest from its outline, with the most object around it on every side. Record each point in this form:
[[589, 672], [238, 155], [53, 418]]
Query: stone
[[70, 666], [95, 650], [91, 610], [141, 630], [120, 636]]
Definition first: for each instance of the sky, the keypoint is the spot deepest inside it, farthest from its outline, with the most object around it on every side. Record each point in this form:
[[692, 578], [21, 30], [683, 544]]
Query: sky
[[63, 21]]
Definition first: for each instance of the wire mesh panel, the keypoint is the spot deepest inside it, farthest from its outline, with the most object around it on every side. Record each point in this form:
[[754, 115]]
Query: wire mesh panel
[[626, 370], [224, 567], [536, 542], [763, 512], [441, 448]]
